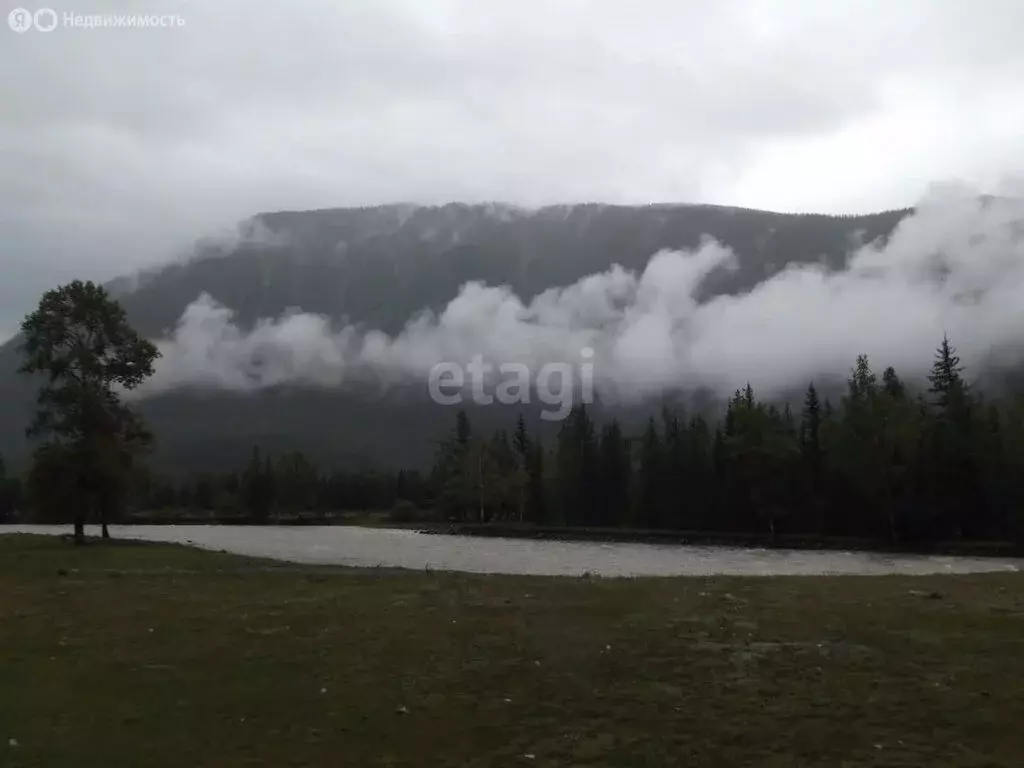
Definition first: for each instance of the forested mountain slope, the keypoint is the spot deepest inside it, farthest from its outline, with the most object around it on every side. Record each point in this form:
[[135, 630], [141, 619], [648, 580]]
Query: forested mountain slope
[[377, 267]]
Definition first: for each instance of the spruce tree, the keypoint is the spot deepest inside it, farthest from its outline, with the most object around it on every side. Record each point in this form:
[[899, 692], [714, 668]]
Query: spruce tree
[[812, 456], [810, 426], [521, 446], [675, 484], [613, 477], [463, 431], [456, 472], [577, 466], [650, 478], [862, 383], [521, 440], [536, 495], [892, 385], [10, 491], [955, 459], [501, 475], [945, 377], [700, 462], [257, 486]]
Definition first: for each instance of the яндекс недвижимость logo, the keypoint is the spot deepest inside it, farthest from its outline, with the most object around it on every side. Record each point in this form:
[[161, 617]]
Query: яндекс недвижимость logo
[[22, 20]]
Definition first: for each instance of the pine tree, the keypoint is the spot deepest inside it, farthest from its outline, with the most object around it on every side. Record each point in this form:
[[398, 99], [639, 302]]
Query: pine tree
[[897, 425], [577, 466], [723, 490], [675, 483], [521, 440], [296, 480], [456, 472], [536, 496], [5, 510], [782, 468], [402, 485], [762, 453], [270, 484], [945, 377], [997, 478], [857, 457], [501, 478], [729, 423], [257, 486], [522, 447], [700, 462], [1013, 453], [955, 457], [892, 385], [812, 455], [862, 383], [810, 426], [614, 470], [463, 430], [650, 478], [10, 492], [203, 492]]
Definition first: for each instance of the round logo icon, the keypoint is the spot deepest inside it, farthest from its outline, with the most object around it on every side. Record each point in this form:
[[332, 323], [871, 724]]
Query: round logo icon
[[20, 20], [45, 19]]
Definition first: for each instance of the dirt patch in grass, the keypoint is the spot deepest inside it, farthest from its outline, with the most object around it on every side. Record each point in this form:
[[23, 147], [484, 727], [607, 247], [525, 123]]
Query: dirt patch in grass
[[190, 658]]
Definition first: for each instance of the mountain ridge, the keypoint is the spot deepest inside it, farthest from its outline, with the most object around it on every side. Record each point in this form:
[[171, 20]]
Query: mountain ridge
[[378, 266]]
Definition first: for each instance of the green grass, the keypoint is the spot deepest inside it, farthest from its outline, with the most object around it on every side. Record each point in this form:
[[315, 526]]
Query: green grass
[[146, 655]]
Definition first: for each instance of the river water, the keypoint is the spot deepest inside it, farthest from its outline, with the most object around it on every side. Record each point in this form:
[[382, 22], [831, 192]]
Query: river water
[[370, 547]]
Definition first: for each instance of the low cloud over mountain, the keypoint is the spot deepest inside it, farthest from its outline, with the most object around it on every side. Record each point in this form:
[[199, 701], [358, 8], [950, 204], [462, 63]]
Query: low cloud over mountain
[[956, 266]]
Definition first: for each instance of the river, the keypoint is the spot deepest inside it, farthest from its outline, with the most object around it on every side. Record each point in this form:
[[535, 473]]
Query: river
[[372, 547]]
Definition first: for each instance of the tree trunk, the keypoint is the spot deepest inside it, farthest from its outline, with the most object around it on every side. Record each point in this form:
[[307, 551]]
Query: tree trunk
[[79, 529], [103, 518], [480, 474], [522, 493]]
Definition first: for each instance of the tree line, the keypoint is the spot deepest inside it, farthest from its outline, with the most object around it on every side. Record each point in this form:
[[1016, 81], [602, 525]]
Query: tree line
[[269, 487], [884, 462]]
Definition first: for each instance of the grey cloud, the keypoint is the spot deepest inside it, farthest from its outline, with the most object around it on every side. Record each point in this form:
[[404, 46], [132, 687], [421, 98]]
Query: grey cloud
[[120, 147]]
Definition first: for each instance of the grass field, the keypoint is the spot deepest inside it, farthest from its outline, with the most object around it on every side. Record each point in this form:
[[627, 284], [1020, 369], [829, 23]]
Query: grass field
[[141, 655]]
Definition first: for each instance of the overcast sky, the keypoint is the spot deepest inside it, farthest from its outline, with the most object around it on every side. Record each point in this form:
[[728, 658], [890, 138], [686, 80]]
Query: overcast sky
[[120, 146]]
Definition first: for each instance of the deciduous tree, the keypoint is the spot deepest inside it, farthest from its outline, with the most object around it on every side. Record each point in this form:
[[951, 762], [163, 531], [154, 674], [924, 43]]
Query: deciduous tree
[[80, 342]]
